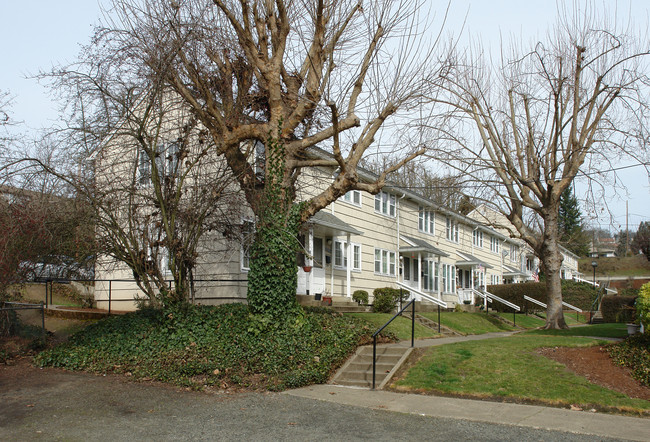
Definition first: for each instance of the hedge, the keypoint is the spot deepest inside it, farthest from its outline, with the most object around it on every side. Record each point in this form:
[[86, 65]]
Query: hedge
[[618, 308], [579, 294]]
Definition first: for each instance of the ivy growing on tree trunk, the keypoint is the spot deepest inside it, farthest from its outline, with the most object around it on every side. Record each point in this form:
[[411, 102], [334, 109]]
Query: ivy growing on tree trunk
[[272, 277]]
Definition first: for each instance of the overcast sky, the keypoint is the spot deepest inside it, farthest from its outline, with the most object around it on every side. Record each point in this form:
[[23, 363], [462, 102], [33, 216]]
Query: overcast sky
[[37, 34]]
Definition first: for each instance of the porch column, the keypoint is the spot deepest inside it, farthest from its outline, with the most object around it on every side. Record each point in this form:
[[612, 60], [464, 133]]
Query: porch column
[[420, 271], [348, 270], [310, 259]]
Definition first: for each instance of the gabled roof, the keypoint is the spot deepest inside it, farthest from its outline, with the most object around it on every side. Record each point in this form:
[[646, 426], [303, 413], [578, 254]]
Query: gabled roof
[[419, 246], [326, 219], [511, 271], [470, 260]]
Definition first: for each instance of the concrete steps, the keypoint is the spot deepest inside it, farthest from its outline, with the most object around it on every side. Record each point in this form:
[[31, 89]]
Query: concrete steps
[[357, 371], [426, 322], [597, 318]]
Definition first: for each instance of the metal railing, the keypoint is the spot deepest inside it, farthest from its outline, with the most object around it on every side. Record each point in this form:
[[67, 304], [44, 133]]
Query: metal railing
[[492, 297], [541, 304], [438, 302], [411, 304], [112, 290], [26, 306]]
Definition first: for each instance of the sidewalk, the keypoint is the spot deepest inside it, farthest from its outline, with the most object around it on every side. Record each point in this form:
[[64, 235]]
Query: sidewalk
[[532, 416]]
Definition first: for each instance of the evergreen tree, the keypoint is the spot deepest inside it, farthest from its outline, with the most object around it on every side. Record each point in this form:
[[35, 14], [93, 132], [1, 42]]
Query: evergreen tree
[[641, 240], [572, 234]]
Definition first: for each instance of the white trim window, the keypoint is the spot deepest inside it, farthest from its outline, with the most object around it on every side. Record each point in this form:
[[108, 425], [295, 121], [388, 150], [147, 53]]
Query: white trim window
[[494, 279], [494, 244], [384, 262], [247, 238], [144, 168], [385, 204], [449, 278], [430, 275], [452, 230], [477, 238], [353, 197], [341, 255], [513, 253], [427, 221]]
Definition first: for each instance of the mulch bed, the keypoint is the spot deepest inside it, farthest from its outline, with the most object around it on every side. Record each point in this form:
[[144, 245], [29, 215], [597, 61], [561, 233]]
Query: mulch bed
[[595, 364]]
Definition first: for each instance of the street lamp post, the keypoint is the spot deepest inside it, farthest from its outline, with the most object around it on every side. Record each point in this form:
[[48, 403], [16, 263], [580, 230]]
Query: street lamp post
[[594, 264]]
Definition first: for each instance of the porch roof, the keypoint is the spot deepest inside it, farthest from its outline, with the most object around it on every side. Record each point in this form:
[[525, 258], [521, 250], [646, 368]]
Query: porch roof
[[419, 245], [511, 271], [470, 260], [337, 225]]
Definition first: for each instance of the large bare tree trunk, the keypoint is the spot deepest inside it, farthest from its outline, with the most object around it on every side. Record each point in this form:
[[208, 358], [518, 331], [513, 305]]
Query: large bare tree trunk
[[551, 258]]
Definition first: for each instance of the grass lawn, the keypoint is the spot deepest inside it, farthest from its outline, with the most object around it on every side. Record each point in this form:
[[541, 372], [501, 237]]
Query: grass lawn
[[401, 326], [600, 330], [525, 321], [569, 318], [511, 368], [470, 323]]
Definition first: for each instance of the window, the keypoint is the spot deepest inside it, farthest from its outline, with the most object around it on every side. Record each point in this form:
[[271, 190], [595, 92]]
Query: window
[[247, 237], [477, 238], [144, 168], [259, 159], [430, 275], [494, 244], [166, 162], [513, 253], [341, 255], [385, 203], [353, 197], [448, 278], [384, 262], [494, 279], [427, 221], [452, 230]]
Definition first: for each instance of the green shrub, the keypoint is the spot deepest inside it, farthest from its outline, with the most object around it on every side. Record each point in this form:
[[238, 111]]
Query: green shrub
[[643, 307], [360, 296], [223, 345], [387, 298], [634, 353], [618, 308]]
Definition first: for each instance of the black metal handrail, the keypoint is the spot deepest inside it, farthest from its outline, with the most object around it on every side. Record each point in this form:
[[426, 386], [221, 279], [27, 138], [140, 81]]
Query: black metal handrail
[[374, 336]]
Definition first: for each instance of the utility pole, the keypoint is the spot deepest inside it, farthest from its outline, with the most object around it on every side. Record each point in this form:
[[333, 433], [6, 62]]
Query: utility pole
[[627, 230]]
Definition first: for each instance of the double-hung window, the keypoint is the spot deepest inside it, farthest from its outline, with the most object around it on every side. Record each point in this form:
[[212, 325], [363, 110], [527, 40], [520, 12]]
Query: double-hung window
[[452, 230], [427, 220], [449, 278], [513, 253], [341, 255], [353, 197], [384, 262], [477, 238], [430, 275], [385, 203], [494, 244]]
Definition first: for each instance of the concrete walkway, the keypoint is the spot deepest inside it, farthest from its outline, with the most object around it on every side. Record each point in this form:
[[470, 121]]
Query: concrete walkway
[[532, 416]]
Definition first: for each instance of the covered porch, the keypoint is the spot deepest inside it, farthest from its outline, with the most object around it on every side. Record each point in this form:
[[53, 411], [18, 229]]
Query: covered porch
[[420, 265], [329, 248], [470, 275]]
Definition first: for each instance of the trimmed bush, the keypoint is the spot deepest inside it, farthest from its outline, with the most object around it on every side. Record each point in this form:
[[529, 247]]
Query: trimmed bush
[[386, 299], [360, 296], [618, 308]]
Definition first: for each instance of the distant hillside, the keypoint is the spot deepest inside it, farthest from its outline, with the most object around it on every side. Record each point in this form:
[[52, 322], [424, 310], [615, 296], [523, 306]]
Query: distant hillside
[[627, 266]]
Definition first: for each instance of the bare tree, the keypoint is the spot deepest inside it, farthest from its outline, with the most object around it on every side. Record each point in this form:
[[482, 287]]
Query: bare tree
[[145, 166], [526, 127], [287, 76]]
